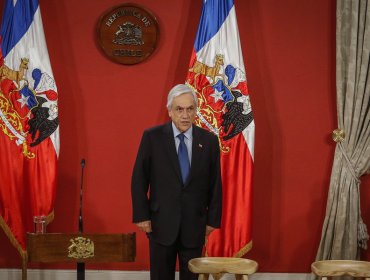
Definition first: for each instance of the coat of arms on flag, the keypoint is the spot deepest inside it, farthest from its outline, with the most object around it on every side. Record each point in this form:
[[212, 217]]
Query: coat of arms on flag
[[29, 126], [216, 73], [28, 109], [223, 98]]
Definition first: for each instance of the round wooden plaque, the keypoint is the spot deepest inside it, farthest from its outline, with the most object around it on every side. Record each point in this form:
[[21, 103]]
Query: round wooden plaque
[[128, 33]]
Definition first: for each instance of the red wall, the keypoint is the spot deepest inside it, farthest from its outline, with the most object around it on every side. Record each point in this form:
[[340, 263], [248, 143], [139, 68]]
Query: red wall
[[289, 51]]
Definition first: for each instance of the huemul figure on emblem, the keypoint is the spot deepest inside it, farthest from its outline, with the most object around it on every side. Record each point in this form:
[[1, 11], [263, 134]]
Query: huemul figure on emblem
[[17, 76], [209, 71]]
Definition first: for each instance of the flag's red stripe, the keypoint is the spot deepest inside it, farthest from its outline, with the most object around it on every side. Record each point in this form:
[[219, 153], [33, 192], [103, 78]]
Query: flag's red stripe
[[235, 232], [22, 179]]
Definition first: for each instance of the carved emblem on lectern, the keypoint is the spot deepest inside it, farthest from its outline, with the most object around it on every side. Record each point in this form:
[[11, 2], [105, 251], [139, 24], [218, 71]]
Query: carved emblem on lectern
[[81, 248]]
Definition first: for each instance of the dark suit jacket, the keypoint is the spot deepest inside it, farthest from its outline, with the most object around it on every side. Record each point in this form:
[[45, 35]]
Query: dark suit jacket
[[159, 195]]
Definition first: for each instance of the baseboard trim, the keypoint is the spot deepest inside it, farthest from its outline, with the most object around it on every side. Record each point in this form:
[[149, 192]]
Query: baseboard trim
[[58, 274]]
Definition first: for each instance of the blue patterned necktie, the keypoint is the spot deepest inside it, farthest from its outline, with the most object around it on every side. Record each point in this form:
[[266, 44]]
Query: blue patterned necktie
[[183, 158]]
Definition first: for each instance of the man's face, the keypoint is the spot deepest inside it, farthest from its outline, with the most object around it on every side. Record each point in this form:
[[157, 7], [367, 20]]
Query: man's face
[[182, 111]]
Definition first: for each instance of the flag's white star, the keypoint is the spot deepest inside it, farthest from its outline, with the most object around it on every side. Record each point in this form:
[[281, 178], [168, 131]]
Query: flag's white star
[[23, 100], [217, 96]]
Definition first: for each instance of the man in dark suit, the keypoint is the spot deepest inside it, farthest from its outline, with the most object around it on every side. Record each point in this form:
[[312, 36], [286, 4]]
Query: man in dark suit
[[176, 187]]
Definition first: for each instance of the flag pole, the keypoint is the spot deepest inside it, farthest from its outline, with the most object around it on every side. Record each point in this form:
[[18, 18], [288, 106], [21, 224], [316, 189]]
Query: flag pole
[[24, 266]]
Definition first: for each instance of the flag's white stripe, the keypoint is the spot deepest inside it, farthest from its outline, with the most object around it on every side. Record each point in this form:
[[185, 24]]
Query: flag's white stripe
[[55, 139], [226, 41], [248, 134], [33, 46]]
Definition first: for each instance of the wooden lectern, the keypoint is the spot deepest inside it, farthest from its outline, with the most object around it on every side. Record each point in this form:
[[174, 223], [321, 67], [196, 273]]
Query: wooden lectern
[[79, 247]]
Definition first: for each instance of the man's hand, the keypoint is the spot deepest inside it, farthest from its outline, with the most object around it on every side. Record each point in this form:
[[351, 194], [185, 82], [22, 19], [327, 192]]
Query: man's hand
[[209, 229], [145, 226]]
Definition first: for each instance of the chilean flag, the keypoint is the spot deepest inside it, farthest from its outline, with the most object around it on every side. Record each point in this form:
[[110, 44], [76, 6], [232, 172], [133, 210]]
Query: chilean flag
[[217, 74], [29, 126]]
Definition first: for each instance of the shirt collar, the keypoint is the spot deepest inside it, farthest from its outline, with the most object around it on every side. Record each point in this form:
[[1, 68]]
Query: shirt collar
[[188, 134]]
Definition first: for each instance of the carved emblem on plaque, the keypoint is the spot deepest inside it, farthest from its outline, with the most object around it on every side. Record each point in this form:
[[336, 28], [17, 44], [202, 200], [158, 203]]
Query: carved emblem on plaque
[[81, 248], [128, 33]]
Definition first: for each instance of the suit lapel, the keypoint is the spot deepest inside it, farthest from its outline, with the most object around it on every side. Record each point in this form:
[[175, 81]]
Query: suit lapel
[[171, 148], [196, 152]]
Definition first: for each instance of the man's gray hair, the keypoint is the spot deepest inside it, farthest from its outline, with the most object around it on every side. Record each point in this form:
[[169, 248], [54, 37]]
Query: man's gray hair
[[178, 90]]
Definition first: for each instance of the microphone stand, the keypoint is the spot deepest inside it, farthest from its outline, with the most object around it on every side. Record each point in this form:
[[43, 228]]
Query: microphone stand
[[81, 266]]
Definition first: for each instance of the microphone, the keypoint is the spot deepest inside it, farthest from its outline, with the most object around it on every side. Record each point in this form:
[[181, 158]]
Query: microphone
[[80, 220], [81, 266]]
